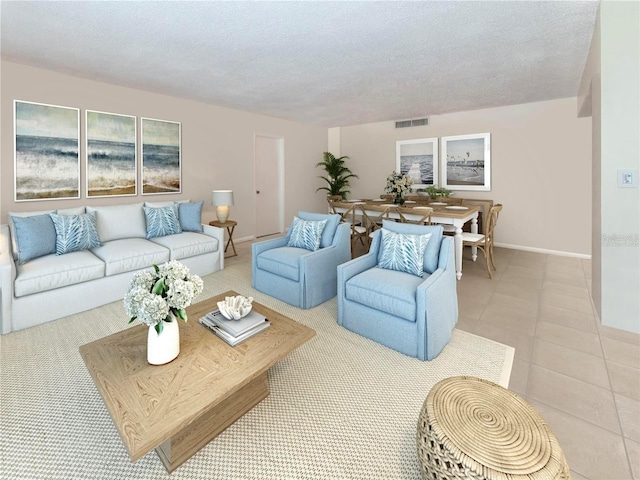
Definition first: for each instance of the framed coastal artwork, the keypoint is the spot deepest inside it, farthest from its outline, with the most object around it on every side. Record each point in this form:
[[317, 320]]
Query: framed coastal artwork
[[161, 156], [46, 151], [418, 159], [111, 167], [466, 162]]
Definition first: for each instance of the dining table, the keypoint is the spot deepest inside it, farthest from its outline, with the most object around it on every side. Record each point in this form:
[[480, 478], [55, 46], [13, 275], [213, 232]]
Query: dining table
[[443, 213]]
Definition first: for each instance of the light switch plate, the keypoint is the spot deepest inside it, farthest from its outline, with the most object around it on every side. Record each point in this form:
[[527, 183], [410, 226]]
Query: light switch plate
[[627, 178]]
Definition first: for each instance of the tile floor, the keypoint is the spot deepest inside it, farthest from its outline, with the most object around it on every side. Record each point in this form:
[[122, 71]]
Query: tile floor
[[582, 377]]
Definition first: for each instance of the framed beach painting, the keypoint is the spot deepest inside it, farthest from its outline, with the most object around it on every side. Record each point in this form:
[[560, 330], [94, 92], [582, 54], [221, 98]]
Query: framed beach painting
[[110, 154], [418, 159], [466, 162], [46, 151], [161, 156]]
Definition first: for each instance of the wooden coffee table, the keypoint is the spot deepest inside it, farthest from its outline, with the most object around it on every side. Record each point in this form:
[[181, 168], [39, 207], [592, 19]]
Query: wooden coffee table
[[179, 407]]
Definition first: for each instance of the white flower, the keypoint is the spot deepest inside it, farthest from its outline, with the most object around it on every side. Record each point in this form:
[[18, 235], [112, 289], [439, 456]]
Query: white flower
[[170, 288]]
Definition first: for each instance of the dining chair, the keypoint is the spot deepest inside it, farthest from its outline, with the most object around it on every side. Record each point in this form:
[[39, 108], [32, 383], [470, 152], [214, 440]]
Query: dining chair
[[373, 215], [484, 241], [418, 216], [349, 213], [449, 200]]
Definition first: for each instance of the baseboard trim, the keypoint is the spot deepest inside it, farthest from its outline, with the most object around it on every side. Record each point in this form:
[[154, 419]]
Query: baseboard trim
[[244, 239], [544, 250]]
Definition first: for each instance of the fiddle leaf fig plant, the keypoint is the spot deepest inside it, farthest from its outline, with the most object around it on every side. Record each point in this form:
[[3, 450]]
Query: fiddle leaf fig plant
[[337, 175]]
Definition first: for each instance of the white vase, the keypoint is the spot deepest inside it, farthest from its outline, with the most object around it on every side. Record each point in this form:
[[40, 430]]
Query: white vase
[[165, 347]]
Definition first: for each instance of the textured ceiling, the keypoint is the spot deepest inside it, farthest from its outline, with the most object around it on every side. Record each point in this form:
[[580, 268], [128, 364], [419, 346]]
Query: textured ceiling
[[326, 63]]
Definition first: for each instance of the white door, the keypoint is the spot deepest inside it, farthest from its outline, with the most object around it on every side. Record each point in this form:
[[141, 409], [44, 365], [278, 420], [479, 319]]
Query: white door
[[269, 199]]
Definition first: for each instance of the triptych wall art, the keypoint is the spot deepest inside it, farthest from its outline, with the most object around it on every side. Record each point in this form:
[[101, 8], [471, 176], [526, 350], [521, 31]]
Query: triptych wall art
[[464, 164], [47, 153]]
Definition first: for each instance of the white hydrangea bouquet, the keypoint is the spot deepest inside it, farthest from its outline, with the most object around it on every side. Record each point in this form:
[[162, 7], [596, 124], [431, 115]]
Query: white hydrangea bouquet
[[398, 184], [157, 297]]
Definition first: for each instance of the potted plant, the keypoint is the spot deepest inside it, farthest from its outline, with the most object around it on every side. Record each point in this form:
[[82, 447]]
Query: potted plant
[[397, 185], [337, 175], [434, 191]]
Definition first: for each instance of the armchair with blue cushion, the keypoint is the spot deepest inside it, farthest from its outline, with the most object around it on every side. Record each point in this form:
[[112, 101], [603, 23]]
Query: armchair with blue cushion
[[290, 270], [394, 305]]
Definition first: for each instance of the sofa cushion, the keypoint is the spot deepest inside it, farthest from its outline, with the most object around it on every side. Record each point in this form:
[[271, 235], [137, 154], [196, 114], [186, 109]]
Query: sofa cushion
[[164, 204], [71, 211], [120, 221], [306, 234], [403, 252], [190, 216], [55, 271], [162, 221], [282, 261], [187, 244], [329, 229], [75, 232], [35, 237], [432, 252], [390, 291], [130, 254]]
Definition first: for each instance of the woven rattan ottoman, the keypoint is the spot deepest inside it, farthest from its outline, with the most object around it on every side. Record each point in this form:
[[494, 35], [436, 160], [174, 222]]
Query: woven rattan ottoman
[[471, 428]]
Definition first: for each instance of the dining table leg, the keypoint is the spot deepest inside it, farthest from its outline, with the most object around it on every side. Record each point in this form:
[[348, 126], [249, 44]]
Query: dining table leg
[[457, 241], [474, 229]]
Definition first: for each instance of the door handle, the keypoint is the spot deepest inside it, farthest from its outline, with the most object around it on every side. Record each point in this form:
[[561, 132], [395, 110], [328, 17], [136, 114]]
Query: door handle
[[258, 191]]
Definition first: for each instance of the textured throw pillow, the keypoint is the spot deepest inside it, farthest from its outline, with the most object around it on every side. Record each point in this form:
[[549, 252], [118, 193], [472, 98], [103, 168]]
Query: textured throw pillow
[[403, 252], [306, 234], [162, 221], [190, 215], [35, 237], [329, 229], [75, 232]]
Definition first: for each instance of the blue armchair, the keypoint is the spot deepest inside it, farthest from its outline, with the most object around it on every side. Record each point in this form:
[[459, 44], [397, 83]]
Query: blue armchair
[[300, 277], [407, 313]]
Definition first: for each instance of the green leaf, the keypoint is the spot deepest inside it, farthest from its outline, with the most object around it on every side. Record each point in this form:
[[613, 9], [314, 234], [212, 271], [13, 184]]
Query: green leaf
[[132, 319], [158, 288], [181, 313], [156, 268], [159, 327]]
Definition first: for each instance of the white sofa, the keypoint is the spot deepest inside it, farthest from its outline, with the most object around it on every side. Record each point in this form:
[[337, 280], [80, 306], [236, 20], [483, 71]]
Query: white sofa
[[54, 286]]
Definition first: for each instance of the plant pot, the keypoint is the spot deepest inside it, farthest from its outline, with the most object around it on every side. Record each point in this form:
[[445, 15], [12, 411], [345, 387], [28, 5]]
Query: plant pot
[[165, 347]]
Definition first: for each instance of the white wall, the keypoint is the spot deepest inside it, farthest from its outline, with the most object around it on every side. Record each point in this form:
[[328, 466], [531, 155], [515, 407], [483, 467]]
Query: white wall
[[620, 149], [217, 144], [540, 168]]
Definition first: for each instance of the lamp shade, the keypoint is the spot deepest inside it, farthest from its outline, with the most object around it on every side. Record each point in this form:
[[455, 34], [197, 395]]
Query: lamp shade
[[221, 199]]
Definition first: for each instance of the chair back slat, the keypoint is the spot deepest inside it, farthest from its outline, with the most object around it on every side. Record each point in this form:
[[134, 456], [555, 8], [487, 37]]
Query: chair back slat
[[424, 214], [492, 221]]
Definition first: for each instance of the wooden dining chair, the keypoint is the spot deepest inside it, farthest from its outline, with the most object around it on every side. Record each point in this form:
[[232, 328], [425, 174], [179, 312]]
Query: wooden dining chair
[[349, 213], [419, 216], [484, 241], [372, 216]]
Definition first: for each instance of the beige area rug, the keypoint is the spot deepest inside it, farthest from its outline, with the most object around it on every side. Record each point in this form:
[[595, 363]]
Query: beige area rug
[[341, 406]]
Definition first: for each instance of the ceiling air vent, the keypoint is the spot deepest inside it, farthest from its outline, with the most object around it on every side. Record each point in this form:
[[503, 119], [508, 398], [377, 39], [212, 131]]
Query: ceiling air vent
[[416, 122]]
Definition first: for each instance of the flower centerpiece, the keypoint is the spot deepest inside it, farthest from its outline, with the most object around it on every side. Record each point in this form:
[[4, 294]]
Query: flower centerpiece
[[398, 184], [158, 299]]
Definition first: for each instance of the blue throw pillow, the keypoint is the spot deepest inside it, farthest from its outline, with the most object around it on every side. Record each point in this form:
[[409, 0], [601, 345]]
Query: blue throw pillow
[[190, 215], [75, 232], [162, 221], [306, 234], [403, 252], [432, 253], [35, 237], [329, 229]]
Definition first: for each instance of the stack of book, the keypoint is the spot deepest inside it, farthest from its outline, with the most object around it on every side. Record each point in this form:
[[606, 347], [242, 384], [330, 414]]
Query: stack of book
[[235, 331]]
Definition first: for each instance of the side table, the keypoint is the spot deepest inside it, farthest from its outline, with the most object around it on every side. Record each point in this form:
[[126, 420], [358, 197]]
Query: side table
[[230, 225]]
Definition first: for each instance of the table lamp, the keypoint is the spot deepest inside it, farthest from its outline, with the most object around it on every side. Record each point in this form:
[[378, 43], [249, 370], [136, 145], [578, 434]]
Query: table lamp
[[222, 199]]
